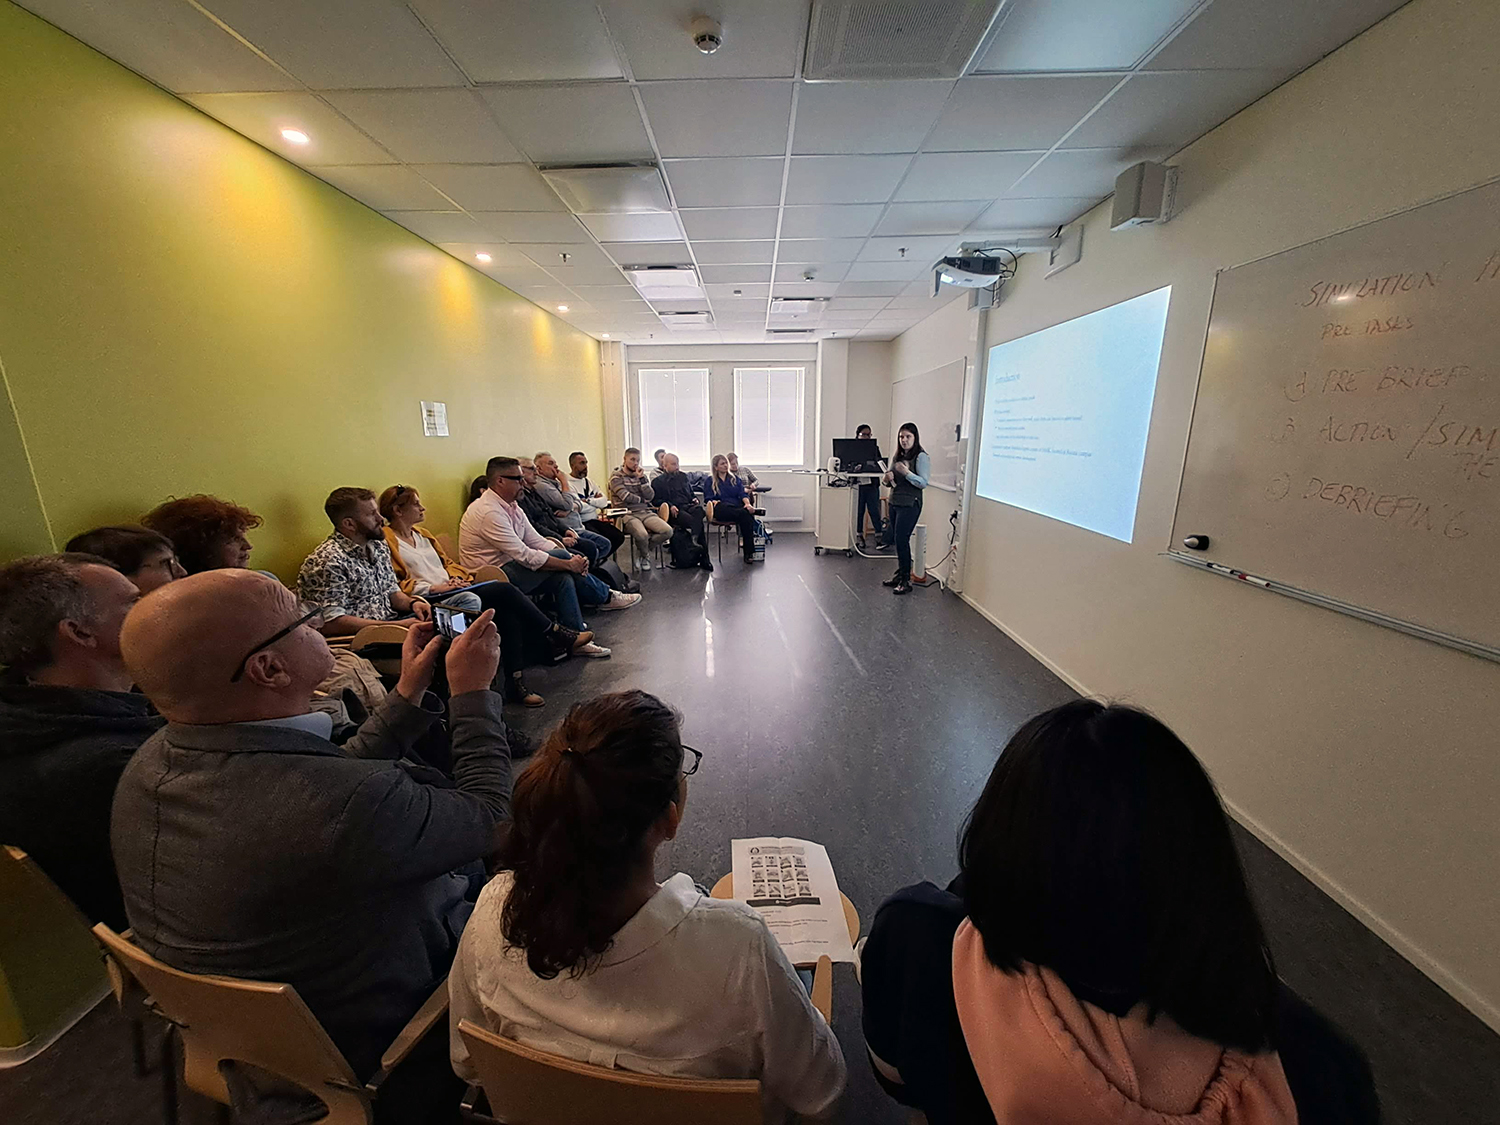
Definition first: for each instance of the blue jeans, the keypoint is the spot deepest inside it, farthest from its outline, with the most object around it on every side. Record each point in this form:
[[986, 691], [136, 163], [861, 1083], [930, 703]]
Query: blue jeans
[[570, 591], [595, 547], [904, 522]]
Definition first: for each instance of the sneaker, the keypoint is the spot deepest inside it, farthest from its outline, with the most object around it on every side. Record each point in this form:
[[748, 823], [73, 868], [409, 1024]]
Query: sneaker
[[642, 563], [598, 652], [516, 691], [618, 600], [565, 641]]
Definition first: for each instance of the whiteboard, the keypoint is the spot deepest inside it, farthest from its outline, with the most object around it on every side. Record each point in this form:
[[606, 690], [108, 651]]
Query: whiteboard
[[1345, 443], [934, 400]]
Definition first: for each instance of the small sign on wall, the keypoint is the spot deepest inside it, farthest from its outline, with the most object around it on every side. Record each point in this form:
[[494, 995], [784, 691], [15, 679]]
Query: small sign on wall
[[434, 419]]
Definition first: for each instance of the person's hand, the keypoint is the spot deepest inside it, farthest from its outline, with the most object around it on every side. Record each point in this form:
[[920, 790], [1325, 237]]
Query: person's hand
[[569, 539], [674, 511], [749, 504], [421, 609], [446, 587], [578, 564], [474, 655], [900, 467], [419, 657], [887, 479], [559, 511]]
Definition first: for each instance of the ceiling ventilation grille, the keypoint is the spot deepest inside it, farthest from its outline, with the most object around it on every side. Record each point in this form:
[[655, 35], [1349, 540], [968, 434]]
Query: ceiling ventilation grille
[[849, 39], [789, 331], [677, 320]]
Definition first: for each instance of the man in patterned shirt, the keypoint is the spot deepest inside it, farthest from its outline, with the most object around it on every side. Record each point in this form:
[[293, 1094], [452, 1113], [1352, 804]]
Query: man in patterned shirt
[[350, 572]]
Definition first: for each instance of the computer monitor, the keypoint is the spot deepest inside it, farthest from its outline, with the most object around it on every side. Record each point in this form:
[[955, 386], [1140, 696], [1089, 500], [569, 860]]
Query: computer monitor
[[855, 451]]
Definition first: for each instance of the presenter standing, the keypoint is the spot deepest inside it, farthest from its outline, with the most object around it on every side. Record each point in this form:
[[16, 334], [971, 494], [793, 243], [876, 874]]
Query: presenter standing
[[910, 469], [869, 495]]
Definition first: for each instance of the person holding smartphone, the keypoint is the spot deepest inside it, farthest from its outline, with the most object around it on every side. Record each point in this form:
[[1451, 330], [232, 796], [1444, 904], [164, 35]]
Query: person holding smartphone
[[907, 479]]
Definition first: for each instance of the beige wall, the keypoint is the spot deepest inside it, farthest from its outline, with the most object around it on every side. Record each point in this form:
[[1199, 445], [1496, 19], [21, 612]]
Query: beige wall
[[1368, 758], [183, 311]]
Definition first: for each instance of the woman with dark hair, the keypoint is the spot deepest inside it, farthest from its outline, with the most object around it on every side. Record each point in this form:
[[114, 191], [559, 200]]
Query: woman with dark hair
[[145, 557], [209, 533], [910, 469], [1099, 957], [575, 949]]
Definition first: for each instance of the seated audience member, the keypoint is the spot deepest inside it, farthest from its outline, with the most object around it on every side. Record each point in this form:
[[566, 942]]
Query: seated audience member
[[632, 491], [551, 523], [747, 478], [495, 531], [579, 482], [249, 846], [209, 533], [575, 949], [424, 570], [68, 720], [732, 504], [578, 513], [1099, 957], [660, 466], [477, 487], [145, 557], [675, 489], [351, 573]]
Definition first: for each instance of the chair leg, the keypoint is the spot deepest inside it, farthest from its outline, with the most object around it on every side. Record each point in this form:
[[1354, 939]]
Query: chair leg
[[169, 1109], [138, 1048], [224, 1114]]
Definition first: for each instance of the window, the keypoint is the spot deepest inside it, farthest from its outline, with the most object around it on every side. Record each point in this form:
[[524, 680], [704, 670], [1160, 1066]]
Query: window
[[768, 412], [674, 413]]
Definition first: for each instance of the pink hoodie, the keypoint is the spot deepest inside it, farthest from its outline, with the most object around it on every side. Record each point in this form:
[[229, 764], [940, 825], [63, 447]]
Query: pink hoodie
[[1045, 1058]]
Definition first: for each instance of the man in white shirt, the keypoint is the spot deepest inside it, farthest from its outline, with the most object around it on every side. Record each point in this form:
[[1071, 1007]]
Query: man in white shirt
[[495, 532]]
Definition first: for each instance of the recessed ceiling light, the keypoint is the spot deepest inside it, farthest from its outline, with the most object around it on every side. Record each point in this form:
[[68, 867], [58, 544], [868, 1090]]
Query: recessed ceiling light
[[605, 335], [562, 308], [483, 258], [296, 136]]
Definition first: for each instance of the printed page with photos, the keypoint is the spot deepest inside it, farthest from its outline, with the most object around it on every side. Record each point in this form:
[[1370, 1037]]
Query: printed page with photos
[[791, 883]]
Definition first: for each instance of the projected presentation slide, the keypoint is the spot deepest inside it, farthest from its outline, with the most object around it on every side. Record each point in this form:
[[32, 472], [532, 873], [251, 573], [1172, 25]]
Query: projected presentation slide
[[1066, 411]]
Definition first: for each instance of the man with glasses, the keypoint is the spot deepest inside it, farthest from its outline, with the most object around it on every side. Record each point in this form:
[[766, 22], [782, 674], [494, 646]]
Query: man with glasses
[[249, 845], [494, 531]]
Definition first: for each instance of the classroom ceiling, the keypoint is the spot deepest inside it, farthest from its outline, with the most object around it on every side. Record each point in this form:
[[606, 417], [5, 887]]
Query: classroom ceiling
[[438, 113]]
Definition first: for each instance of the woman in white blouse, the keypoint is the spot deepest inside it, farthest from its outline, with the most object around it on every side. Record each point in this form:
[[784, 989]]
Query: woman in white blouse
[[575, 949]]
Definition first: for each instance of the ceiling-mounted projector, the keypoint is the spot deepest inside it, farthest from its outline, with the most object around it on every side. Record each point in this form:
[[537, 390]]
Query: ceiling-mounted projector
[[971, 271]]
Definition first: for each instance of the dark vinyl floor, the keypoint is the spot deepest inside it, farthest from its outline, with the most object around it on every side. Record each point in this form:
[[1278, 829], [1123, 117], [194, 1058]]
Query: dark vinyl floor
[[827, 708]]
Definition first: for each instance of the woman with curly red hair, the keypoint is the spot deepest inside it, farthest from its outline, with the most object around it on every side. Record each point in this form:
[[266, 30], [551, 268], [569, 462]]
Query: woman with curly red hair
[[208, 533]]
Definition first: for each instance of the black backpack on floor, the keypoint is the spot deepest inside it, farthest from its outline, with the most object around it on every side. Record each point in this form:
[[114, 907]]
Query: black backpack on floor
[[685, 553]]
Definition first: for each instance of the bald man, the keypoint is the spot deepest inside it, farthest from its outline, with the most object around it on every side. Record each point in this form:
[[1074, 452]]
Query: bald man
[[249, 845]]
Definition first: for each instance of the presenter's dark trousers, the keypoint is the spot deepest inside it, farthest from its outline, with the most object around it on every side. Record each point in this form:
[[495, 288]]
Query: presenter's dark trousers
[[869, 501], [903, 523], [743, 518]]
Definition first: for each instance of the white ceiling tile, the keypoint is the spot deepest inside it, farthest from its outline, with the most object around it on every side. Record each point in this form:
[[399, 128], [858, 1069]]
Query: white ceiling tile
[[680, 306], [739, 307], [439, 226], [261, 117], [819, 249], [964, 175], [548, 255], [502, 41], [732, 117], [870, 288], [1015, 113], [171, 44], [844, 179], [500, 255], [384, 187], [922, 250], [726, 182], [830, 220], [547, 294], [601, 295], [342, 44], [649, 253], [734, 273], [587, 274], [1172, 110], [730, 223], [761, 38], [493, 187], [1031, 214], [1277, 34], [532, 226], [428, 126], [589, 124], [734, 253], [1080, 172], [651, 226], [929, 218], [804, 289], [1080, 34], [902, 271], [821, 271], [838, 117], [729, 292], [868, 304]]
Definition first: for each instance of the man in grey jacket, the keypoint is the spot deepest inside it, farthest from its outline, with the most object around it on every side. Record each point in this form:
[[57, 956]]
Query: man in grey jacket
[[249, 845], [631, 490]]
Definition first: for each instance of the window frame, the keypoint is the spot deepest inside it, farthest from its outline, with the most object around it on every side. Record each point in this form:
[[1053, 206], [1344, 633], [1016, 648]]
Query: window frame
[[642, 371], [801, 416]]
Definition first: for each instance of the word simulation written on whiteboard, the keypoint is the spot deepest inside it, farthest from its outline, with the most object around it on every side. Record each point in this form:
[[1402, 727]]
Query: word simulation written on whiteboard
[[1346, 439]]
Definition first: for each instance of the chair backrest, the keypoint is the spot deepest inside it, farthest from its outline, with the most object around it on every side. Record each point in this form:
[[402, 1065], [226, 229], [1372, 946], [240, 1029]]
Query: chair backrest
[[530, 1087], [488, 573], [50, 972], [257, 1022]]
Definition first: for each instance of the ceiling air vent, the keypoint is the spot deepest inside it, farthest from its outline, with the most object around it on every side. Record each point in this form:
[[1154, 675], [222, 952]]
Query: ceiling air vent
[[676, 320], [849, 39], [789, 331]]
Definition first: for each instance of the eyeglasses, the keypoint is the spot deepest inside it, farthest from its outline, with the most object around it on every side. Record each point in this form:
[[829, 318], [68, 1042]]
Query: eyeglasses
[[313, 617], [507, 476], [689, 770]]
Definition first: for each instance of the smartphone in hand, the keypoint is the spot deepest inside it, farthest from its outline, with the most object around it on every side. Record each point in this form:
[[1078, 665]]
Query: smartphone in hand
[[450, 622]]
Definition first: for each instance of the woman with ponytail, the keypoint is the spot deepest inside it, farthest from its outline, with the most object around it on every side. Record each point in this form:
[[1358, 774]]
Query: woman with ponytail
[[575, 949]]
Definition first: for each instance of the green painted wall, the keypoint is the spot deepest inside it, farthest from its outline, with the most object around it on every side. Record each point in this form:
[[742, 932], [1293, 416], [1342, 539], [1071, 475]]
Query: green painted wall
[[183, 311]]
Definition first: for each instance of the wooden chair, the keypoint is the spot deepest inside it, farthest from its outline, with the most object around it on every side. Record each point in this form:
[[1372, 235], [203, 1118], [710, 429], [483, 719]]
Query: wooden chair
[[386, 633], [50, 975], [530, 1087], [265, 1025], [489, 573]]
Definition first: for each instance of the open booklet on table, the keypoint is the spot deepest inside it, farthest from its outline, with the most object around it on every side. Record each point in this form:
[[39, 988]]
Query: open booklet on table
[[791, 883]]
